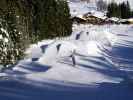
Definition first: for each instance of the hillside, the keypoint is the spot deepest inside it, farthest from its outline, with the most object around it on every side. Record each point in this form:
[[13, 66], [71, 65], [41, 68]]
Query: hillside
[[93, 63], [108, 1]]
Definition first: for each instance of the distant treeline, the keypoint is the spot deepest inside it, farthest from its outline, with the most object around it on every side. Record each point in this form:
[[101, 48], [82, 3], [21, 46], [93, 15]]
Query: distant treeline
[[121, 10], [23, 22]]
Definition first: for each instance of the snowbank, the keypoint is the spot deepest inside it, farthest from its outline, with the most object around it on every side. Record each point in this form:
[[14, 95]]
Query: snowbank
[[96, 58]]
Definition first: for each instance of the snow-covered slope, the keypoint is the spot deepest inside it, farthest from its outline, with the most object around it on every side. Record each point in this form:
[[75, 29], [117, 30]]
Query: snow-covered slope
[[93, 1], [101, 56], [80, 8]]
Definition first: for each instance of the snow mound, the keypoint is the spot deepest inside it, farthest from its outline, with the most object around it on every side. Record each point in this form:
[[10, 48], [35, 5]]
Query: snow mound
[[93, 33], [93, 65], [35, 51], [57, 50]]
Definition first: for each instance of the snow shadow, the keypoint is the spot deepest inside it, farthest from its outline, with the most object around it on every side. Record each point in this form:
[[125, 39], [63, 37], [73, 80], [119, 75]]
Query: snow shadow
[[36, 67], [100, 65], [44, 47], [13, 90], [27, 68]]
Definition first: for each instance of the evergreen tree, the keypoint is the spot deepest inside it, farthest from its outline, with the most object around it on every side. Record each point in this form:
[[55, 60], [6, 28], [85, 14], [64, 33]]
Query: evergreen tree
[[119, 10], [65, 26], [125, 10], [23, 22], [12, 47], [56, 20]]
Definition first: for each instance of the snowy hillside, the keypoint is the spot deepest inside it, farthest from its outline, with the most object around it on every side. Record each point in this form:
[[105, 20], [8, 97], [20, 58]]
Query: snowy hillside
[[101, 51], [92, 2], [94, 63], [80, 8], [103, 64], [96, 48]]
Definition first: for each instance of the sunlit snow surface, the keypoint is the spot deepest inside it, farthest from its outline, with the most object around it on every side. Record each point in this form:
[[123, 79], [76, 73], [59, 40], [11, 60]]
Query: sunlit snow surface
[[103, 63], [97, 49]]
